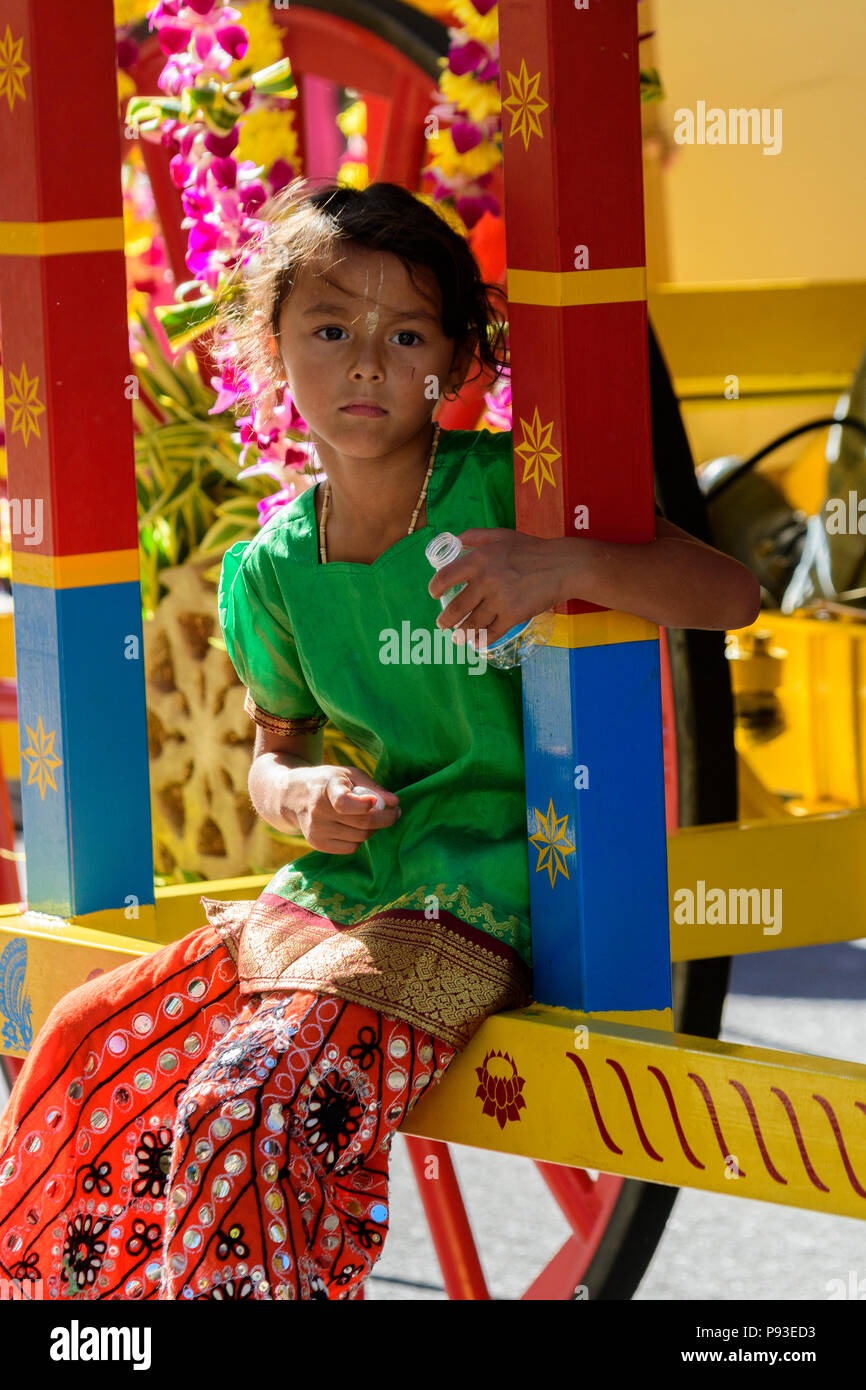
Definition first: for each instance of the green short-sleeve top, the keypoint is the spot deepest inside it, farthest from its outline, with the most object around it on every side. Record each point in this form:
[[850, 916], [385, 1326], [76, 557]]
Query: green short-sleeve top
[[357, 644]]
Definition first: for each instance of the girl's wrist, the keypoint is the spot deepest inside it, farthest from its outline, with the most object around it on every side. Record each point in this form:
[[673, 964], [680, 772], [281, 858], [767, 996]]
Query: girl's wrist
[[275, 781]]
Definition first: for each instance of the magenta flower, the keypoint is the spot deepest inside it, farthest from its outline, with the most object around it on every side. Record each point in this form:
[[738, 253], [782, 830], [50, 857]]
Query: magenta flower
[[281, 174], [215, 36], [225, 171], [174, 38], [466, 57], [252, 196], [181, 71], [232, 39], [221, 196], [127, 52], [161, 8], [465, 135], [180, 170], [498, 402], [222, 145]]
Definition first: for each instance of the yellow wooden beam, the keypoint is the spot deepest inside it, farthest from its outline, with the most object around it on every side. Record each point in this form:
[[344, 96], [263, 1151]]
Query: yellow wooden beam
[[687, 1112], [816, 863], [59, 957], [775, 336]]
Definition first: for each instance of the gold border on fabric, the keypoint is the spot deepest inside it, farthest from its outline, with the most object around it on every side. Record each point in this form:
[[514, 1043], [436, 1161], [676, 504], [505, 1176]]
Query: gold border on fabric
[[425, 972], [316, 897], [278, 724], [228, 918], [422, 971]]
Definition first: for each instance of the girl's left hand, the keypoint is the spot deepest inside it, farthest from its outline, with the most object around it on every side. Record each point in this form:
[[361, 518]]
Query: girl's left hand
[[509, 577]]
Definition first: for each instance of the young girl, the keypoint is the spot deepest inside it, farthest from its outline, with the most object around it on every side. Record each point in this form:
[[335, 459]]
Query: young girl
[[213, 1120]]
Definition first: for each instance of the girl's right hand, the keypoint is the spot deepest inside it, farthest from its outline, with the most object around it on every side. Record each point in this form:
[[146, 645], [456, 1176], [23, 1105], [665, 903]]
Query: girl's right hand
[[334, 819]]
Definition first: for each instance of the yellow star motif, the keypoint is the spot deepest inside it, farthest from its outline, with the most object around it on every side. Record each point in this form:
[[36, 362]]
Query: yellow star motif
[[552, 843], [24, 403], [537, 452], [525, 104], [42, 758], [12, 68]]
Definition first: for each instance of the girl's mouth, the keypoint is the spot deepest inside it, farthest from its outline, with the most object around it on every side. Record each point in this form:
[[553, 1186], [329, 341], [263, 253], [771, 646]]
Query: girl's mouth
[[373, 410]]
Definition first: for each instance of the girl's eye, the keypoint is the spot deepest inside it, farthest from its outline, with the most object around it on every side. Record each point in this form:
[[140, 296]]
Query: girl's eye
[[401, 333]]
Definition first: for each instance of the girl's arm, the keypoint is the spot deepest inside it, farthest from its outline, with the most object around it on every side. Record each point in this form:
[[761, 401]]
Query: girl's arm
[[277, 758], [296, 793], [675, 580]]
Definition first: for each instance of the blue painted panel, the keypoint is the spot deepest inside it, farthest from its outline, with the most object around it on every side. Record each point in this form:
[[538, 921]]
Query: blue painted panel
[[88, 838], [600, 929]]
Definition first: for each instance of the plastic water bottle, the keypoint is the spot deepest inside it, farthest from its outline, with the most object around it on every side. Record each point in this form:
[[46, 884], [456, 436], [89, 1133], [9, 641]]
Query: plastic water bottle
[[520, 641]]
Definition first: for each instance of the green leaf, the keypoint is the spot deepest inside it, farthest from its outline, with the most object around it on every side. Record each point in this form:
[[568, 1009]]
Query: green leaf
[[220, 537], [212, 577], [182, 323], [241, 508], [275, 80]]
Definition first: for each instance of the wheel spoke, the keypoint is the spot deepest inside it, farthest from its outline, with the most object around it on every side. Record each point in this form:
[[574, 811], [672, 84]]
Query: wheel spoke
[[449, 1225], [559, 1279]]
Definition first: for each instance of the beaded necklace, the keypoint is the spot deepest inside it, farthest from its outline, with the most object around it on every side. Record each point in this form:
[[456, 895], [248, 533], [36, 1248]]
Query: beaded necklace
[[326, 502]]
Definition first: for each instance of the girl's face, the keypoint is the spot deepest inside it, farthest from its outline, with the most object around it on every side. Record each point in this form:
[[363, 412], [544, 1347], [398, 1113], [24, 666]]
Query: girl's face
[[360, 331]]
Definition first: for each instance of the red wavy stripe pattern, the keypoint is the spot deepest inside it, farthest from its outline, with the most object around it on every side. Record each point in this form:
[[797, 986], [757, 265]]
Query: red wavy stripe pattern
[[707, 1098]]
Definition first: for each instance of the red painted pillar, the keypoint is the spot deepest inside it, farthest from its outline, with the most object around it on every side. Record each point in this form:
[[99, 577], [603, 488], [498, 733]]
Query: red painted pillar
[[68, 388]]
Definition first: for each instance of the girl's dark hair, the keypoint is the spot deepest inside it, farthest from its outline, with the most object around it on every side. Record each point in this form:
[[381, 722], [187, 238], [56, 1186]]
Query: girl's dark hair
[[303, 226]]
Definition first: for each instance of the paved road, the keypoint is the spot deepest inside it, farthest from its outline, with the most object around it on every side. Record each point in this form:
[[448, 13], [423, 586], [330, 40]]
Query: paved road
[[714, 1247]]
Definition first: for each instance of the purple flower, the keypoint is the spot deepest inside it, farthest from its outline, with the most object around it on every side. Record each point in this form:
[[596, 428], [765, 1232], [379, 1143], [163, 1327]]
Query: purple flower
[[204, 236], [252, 196], [466, 57], [174, 38], [223, 145], [181, 71], [163, 7], [472, 206], [203, 42], [180, 170], [225, 171], [465, 135], [232, 39], [127, 52], [268, 505]]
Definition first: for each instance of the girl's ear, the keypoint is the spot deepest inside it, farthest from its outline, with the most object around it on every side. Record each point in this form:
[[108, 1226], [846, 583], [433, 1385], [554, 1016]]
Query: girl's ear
[[460, 364]]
